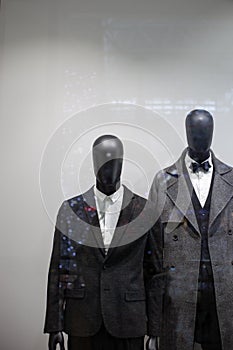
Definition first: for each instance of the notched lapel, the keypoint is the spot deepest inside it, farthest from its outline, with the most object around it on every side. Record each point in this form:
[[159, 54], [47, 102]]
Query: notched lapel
[[93, 219], [125, 217], [179, 193], [180, 196]]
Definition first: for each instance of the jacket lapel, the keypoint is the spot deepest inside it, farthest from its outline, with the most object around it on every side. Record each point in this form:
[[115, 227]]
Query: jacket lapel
[[222, 189], [122, 223], [93, 219], [179, 193]]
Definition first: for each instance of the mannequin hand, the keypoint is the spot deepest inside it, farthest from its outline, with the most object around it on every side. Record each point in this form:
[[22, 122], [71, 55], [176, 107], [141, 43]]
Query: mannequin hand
[[152, 343], [54, 339]]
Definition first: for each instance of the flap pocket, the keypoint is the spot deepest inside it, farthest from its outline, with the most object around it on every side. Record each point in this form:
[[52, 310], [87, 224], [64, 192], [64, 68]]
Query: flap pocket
[[67, 278], [75, 293], [170, 226], [136, 295]]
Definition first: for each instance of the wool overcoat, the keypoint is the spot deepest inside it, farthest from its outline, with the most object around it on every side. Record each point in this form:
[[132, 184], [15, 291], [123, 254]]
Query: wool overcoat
[[182, 251]]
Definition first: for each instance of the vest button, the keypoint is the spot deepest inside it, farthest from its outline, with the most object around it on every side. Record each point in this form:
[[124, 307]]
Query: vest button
[[230, 232]]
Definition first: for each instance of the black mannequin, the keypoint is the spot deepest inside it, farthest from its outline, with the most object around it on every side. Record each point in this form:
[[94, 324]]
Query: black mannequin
[[107, 161], [199, 130], [196, 195]]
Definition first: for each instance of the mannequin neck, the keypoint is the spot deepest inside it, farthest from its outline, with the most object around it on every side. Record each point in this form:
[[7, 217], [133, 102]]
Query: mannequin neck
[[199, 157], [109, 188]]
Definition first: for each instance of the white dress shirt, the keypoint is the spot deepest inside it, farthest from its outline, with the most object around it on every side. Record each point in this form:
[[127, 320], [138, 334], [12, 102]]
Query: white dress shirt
[[108, 209], [201, 180]]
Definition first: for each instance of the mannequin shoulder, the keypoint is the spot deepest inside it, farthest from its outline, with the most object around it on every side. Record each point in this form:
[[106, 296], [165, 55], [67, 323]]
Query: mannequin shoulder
[[228, 175], [73, 203], [225, 170]]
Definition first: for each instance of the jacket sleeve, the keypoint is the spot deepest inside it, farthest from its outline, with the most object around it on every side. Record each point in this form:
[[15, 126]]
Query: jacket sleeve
[[154, 278], [56, 285]]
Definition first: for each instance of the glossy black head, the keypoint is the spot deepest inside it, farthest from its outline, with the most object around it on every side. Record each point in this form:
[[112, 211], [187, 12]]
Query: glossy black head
[[107, 160], [199, 130]]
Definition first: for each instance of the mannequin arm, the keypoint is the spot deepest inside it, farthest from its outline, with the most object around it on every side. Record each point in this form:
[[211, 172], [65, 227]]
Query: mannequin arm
[[152, 343], [54, 339]]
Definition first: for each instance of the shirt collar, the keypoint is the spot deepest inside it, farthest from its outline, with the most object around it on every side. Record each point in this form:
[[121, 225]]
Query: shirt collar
[[113, 197], [189, 161]]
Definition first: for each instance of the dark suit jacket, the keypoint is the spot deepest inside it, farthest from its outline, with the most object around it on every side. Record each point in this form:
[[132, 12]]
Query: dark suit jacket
[[182, 252], [122, 289]]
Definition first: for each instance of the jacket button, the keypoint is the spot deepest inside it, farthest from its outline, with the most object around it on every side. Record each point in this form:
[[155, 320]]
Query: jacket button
[[175, 238], [232, 263], [104, 267], [230, 232]]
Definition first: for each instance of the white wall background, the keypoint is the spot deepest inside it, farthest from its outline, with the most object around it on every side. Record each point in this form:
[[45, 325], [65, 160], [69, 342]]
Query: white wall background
[[61, 57]]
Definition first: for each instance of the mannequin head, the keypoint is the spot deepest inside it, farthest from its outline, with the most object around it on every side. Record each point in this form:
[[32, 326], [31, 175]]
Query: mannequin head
[[107, 155], [199, 129]]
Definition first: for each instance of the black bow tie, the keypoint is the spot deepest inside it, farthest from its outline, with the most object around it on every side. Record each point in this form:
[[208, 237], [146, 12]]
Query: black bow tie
[[204, 166]]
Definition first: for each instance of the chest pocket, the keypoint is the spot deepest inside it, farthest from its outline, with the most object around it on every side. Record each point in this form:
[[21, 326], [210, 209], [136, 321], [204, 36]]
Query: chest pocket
[[172, 219], [172, 226]]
